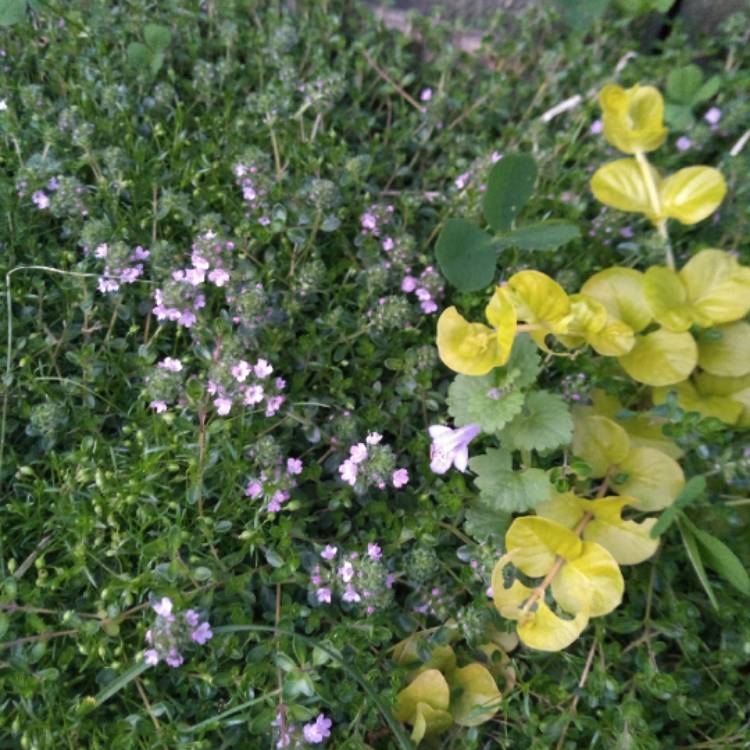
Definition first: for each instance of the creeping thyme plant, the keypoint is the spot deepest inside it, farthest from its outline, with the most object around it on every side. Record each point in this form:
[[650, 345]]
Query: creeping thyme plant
[[249, 501], [681, 333]]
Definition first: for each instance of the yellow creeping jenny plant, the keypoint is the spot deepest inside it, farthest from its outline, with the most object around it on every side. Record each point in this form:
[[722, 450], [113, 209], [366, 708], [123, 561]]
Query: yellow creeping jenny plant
[[671, 330], [633, 124]]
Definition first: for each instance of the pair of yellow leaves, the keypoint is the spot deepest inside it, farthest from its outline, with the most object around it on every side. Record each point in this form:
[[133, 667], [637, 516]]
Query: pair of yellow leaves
[[633, 123], [541, 303], [654, 478], [583, 572], [427, 704], [586, 580], [710, 291]]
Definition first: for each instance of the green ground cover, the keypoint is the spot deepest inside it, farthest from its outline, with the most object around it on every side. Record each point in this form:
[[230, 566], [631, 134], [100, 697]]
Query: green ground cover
[[221, 295]]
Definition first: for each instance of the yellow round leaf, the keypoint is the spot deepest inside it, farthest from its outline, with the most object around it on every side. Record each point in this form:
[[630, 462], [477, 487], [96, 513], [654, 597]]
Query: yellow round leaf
[[620, 290], [620, 185], [539, 299], [508, 601], [728, 356], [600, 442], [545, 631], [654, 479], [692, 194], [666, 297], [501, 315], [479, 699], [633, 118], [718, 287], [535, 542], [468, 348], [661, 358], [430, 688], [627, 541], [614, 340], [592, 582]]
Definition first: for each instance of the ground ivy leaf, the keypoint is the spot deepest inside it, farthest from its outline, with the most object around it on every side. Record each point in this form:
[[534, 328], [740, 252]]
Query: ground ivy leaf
[[478, 400], [503, 489], [482, 521], [524, 364], [544, 423]]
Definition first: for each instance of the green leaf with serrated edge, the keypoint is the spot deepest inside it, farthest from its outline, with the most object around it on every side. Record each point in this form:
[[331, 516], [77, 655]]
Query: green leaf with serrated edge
[[546, 235], [544, 423], [158, 38], [524, 365], [482, 522], [683, 83], [509, 186], [466, 255], [693, 489], [581, 16], [720, 558], [504, 489], [12, 12], [477, 400], [694, 555]]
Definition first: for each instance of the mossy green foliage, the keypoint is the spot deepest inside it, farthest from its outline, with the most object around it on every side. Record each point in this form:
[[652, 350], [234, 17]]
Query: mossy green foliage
[[107, 503]]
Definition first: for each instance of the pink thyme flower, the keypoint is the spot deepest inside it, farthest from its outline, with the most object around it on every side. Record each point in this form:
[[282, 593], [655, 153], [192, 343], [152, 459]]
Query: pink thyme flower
[[240, 371], [202, 633], [408, 284], [683, 143], [374, 552], [293, 466], [324, 595], [596, 127], [273, 404], [163, 608], [400, 478], [191, 617], [713, 116], [388, 244], [254, 395], [151, 657], [218, 277], [223, 406], [171, 364], [351, 595], [428, 306], [329, 552], [358, 453], [40, 199], [373, 438], [348, 471], [425, 95], [159, 406], [254, 489], [451, 447], [317, 731], [346, 572], [262, 369]]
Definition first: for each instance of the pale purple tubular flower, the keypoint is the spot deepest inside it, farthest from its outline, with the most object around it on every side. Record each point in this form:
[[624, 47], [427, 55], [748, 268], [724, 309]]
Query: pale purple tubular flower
[[40, 200], [451, 447], [683, 143]]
